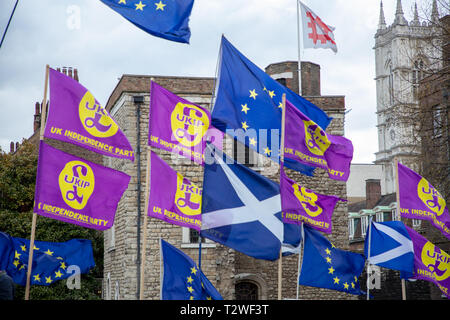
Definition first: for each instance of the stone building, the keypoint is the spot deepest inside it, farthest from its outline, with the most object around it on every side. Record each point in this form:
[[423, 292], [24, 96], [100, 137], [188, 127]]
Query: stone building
[[235, 275]]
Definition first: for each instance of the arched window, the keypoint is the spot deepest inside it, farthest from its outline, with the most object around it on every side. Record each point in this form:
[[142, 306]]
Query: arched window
[[246, 290], [391, 84], [417, 75]]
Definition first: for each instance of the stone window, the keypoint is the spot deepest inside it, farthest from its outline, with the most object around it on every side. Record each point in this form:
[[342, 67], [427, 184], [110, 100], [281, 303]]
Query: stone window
[[437, 121], [246, 290], [417, 75]]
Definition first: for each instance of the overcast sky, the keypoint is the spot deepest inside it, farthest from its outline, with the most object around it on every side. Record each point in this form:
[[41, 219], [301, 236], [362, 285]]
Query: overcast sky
[[104, 46]]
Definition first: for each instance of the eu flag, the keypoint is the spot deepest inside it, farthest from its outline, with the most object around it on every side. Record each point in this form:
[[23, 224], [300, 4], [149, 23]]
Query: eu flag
[[168, 19], [182, 279], [249, 103], [325, 266], [51, 260]]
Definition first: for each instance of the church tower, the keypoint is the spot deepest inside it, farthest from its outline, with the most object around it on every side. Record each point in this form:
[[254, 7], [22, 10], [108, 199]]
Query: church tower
[[403, 53]]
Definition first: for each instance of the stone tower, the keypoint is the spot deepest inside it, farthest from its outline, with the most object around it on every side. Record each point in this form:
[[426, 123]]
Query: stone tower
[[403, 54]]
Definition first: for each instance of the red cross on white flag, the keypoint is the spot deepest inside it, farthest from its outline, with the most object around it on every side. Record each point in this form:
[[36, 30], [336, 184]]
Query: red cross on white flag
[[316, 34]]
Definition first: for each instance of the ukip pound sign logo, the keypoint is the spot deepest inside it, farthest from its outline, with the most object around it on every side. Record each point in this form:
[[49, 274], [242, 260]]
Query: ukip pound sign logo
[[95, 119], [316, 139], [431, 197], [307, 200], [316, 23], [437, 261], [189, 124], [188, 197], [76, 183]]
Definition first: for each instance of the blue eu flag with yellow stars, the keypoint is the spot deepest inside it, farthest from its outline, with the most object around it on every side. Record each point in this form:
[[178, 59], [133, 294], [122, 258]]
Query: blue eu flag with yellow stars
[[168, 19], [325, 266], [52, 261], [182, 279], [249, 106]]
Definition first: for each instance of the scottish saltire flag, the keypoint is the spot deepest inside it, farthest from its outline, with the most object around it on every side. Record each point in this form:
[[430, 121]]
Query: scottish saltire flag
[[182, 279], [302, 205], [76, 117], [431, 263], [325, 266], [168, 19], [389, 245], [241, 209], [316, 34], [177, 125], [420, 200], [307, 143], [173, 198], [77, 191], [52, 261], [248, 106]]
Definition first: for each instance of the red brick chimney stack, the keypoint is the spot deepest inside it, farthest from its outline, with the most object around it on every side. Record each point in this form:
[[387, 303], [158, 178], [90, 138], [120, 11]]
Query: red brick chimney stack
[[373, 192], [11, 147], [37, 117]]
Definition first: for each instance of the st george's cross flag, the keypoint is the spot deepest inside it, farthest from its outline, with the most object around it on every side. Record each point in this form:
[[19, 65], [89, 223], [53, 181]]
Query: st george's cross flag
[[77, 191], [316, 34], [420, 200], [182, 279], [76, 117], [389, 245], [302, 205], [248, 106], [167, 19], [307, 143], [241, 209], [52, 261], [173, 198]]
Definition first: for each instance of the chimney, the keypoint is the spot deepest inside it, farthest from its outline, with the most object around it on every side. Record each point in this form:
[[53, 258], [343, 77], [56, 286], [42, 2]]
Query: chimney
[[17, 145], [70, 72], [37, 117], [11, 147], [373, 192]]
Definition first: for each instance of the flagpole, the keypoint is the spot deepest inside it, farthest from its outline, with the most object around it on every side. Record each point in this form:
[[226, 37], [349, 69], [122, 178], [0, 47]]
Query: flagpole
[[299, 50], [33, 222], [144, 244], [369, 235], [398, 217], [300, 259], [160, 269]]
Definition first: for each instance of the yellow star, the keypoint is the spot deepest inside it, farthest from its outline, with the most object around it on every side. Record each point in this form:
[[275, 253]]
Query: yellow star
[[267, 151], [24, 248], [331, 270], [280, 105], [140, 6], [35, 248], [48, 252], [189, 279], [328, 259], [245, 108], [191, 298], [123, 1], [356, 279], [253, 94], [48, 279], [271, 93], [22, 267], [346, 286], [63, 266], [333, 246], [58, 274], [245, 126], [253, 141], [17, 255], [327, 251], [193, 270], [353, 285], [16, 263], [336, 280], [190, 289], [208, 298], [37, 278], [160, 6]]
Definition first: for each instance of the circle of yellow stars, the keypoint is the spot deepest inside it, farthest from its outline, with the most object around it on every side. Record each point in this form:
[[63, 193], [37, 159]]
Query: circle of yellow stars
[[331, 271], [190, 281], [140, 6]]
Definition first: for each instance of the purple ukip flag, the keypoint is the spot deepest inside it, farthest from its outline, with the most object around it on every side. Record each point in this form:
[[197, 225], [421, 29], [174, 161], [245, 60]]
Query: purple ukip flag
[[420, 200], [308, 143], [77, 191], [431, 263], [76, 117], [173, 198], [177, 125], [299, 205]]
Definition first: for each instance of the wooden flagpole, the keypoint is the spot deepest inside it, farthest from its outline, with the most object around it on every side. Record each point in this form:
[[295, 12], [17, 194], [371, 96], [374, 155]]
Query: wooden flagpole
[[145, 225], [398, 216], [299, 50], [300, 259], [33, 223], [280, 260]]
